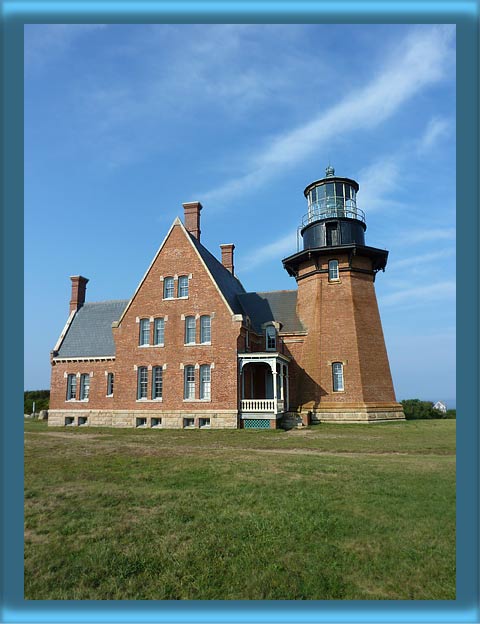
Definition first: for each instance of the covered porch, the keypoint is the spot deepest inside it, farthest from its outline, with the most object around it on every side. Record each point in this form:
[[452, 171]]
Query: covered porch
[[264, 388]]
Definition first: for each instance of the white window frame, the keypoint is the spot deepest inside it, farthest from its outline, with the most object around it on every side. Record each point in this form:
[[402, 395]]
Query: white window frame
[[270, 337], [333, 272], [142, 383], [205, 330], [159, 327], [71, 386], [110, 384], [205, 382], [190, 326], [84, 386], [189, 383], [157, 383], [169, 288], [338, 381], [144, 332], [182, 286]]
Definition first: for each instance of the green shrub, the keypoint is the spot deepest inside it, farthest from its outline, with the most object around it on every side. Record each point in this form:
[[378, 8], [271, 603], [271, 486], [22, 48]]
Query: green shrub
[[414, 409], [40, 397]]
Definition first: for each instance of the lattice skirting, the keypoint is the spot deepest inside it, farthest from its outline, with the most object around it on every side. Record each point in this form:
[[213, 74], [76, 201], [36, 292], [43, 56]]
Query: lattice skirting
[[256, 423]]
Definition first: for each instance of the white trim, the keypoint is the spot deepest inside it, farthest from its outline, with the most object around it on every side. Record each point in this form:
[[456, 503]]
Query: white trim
[[176, 222], [58, 344], [94, 358]]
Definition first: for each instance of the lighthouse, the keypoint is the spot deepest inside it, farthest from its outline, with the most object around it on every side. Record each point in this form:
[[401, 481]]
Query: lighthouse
[[342, 372]]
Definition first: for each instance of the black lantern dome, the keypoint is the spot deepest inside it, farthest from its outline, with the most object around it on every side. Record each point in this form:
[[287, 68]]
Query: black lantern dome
[[333, 217]]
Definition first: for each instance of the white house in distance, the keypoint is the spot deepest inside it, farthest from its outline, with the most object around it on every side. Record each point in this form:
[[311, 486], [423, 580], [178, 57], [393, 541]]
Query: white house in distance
[[440, 406]]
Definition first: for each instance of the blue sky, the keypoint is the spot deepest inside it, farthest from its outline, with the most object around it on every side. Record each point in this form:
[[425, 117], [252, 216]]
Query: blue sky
[[123, 123]]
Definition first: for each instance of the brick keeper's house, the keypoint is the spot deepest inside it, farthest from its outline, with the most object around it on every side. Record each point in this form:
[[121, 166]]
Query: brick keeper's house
[[192, 348]]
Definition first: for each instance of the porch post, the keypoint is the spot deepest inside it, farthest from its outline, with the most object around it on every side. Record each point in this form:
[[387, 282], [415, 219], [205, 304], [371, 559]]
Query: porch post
[[273, 366], [242, 375], [287, 401]]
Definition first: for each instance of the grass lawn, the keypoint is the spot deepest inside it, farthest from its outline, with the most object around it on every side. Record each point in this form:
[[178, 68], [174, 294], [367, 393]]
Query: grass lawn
[[328, 512]]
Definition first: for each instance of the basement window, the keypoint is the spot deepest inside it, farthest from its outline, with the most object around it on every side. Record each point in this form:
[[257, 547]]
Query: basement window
[[69, 421], [204, 423], [156, 423], [188, 423], [82, 420], [141, 422]]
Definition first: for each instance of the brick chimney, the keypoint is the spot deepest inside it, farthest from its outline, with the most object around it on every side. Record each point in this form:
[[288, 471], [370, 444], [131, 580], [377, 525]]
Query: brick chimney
[[227, 256], [79, 286], [192, 218]]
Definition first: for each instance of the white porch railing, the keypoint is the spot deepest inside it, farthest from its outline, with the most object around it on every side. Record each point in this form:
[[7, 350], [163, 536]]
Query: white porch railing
[[261, 405]]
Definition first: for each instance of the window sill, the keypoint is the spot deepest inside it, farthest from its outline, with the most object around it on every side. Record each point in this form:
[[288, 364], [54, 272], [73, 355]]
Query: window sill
[[109, 396], [168, 299], [160, 344], [335, 281], [149, 400], [83, 401], [143, 346], [70, 400], [338, 391], [183, 297], [197, 400]]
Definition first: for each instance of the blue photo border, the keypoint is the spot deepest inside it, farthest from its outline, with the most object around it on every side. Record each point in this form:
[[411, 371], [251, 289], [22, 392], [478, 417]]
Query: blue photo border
[[15, 13]]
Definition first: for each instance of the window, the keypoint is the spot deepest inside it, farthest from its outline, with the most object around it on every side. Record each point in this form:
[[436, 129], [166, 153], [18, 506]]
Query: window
[[204, 423], [332, 233], [337, 371], [271, 338], [189, 422], [110, 380], [157, 382], [205, 382], [69, 420], [168, 288], [82, 420], [144, 338], [141, 422], [205, 329], [159, 331], [71, 387], [142, 382], [156, 422], [189, 385], [183, 286], [190, 327], [333, 270], [84, 386]]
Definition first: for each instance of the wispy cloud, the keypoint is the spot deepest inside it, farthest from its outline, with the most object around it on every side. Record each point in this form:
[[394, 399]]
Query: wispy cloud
[[45, 42], [430, 235], [418, 62], [421, 259], [420, 294], [282, 247], [437, 128]]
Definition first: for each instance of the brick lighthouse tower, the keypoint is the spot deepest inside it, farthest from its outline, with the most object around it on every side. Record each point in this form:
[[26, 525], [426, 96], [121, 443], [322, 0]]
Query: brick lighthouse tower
[[342, 371]]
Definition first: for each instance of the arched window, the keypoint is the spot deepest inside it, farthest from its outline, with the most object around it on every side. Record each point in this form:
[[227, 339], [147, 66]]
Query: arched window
[[337, 374], [190, 327], [168, 288], [205, 329], [144, 338], [333, 270], [183, 286]]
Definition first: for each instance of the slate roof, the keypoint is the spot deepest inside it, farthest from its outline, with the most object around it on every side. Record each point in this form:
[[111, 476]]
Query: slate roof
[[278, 305], [90, 333], [228, 284]]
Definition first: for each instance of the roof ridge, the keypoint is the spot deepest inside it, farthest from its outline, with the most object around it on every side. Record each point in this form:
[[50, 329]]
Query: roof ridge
[[106, 301], [264, 292]]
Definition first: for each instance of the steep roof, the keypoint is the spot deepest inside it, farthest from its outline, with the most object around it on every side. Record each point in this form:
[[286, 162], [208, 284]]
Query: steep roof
[[277, 305], [228, 284], [90, 333]]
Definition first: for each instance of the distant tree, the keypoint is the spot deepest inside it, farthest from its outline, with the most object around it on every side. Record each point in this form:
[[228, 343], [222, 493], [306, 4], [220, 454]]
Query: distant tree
[[41, 398], [414, 409], [451, 413]]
